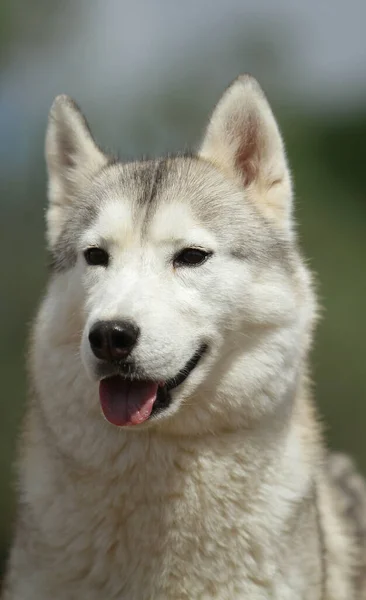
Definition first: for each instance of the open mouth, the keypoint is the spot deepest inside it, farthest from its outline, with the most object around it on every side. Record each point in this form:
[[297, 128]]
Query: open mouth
[[125, 401]]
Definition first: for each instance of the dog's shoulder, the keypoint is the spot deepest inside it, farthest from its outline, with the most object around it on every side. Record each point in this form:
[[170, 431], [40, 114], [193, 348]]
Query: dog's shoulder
[[349, 487]]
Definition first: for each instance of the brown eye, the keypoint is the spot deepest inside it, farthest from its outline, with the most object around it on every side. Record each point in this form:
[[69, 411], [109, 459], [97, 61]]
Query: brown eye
[[191, 257], [96, 257]]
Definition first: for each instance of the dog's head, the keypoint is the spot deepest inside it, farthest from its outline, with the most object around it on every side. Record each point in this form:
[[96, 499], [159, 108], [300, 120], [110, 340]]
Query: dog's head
[[180, 278]]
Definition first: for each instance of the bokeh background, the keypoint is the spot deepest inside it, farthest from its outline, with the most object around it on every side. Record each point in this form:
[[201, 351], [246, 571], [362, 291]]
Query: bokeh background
[[147, 74]]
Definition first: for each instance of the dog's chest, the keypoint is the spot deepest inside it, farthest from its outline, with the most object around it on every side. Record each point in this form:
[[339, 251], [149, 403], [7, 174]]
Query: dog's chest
[[190, 532], [159, 522]]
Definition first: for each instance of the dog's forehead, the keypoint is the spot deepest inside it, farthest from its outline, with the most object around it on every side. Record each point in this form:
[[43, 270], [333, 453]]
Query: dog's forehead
[[164, 197]]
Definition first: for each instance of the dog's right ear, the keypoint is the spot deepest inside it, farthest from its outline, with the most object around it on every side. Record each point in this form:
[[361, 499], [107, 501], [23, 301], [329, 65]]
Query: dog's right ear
[[72, 158]]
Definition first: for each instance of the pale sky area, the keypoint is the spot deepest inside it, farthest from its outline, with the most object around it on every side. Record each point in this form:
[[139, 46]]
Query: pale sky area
[[111, 52]]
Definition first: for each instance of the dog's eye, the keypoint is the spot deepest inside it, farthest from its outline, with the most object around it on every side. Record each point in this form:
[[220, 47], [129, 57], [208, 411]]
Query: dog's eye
[[191, 257], [96, 256]]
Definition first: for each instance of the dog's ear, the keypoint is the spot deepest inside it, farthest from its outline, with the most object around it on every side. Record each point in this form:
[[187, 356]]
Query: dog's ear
[[72, 159], [244, 141]]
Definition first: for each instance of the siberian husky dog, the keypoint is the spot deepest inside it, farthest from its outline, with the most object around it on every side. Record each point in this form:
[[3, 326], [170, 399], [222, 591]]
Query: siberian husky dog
[[170, 449]]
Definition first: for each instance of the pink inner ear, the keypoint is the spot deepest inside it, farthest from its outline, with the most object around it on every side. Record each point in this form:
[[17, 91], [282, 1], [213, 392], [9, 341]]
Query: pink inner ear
[[247, 155]]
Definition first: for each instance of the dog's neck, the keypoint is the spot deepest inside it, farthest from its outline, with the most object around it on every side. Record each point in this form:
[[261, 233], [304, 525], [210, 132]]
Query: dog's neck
[[157, 451]]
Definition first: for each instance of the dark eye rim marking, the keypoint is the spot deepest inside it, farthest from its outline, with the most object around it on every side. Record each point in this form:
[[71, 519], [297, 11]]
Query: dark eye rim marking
[[96, 257], [191, 257]]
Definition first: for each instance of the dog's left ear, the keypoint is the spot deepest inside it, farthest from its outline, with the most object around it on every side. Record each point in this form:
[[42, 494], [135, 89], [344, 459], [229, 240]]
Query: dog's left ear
[[243, 140], [72, 158]]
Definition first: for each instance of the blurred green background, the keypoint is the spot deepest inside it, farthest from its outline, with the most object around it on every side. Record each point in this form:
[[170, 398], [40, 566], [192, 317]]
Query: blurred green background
[[147, 74]]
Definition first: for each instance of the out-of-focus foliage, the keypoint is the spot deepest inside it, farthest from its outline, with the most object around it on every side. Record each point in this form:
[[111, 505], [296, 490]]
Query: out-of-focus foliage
[[327, 154]]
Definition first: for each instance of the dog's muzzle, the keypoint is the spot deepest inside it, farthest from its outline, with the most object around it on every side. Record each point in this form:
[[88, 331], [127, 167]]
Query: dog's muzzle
[[128, 399]]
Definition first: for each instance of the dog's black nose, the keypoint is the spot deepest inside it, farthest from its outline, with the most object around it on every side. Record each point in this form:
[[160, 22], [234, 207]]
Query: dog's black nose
[[113, 340]]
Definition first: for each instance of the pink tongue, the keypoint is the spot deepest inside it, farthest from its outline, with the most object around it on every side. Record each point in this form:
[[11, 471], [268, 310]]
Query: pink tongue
[[126, 402]]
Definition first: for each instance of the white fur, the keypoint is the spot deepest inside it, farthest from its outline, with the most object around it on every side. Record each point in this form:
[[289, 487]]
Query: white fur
[[209, 500]]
